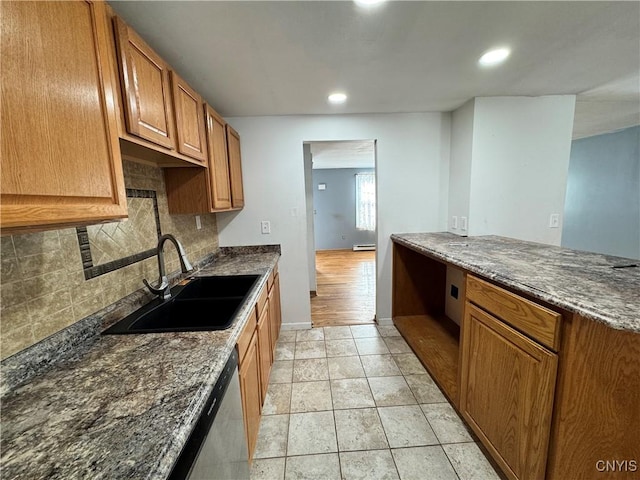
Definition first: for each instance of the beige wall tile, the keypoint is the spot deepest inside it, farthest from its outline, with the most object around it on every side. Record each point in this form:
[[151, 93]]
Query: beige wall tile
[[36, 243], [49, 304], [43, 288], [41, 263], [15, 340], [7, 251], [12, 294], [10, 271], [53, 323]]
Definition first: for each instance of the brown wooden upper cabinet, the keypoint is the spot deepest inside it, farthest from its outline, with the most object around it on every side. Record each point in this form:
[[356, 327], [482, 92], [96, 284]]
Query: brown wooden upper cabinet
[[217, 188], [159, 107], [145, 88], [61, 162], [235, 168], [218, 160], [189, 119]]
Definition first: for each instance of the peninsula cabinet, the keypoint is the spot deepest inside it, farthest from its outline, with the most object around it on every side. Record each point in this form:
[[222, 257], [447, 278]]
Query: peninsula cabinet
[[549, 393], [507, 387], [61, 163]]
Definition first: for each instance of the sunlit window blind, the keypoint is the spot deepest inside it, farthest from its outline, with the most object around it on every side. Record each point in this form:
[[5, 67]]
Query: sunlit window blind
[[365, 201]]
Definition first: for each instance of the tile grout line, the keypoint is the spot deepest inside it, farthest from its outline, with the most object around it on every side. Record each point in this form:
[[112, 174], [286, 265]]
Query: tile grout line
[[333, 409]]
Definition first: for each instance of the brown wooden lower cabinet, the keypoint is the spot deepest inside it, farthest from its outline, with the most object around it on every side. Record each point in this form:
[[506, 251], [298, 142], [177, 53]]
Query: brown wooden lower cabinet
[[507, 392], [265, 350], [275, 313], [256, 353], [249, 373], [596, 427], [550, 394]]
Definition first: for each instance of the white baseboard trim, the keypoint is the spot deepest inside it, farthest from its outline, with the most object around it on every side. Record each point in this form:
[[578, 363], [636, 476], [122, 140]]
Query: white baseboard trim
[[385, 322], [296, 326]]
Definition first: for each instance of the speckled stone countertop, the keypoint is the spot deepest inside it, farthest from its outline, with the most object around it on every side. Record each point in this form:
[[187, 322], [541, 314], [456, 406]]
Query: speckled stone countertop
[[124, 407], [581, 282]]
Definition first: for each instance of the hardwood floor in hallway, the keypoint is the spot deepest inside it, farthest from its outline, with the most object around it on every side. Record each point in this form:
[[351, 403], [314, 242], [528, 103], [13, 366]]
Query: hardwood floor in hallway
[[346, 288]]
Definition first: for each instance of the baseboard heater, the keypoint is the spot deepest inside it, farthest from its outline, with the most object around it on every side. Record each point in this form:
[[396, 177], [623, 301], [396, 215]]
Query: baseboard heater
[[364, 246]]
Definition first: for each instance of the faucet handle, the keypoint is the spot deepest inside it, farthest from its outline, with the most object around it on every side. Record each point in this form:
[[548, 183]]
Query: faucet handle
[[162, 289]]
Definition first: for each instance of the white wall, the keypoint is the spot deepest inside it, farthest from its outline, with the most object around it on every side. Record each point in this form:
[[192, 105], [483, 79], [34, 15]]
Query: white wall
[[311, 237], [520, 160], [460, 164], [412, 174]]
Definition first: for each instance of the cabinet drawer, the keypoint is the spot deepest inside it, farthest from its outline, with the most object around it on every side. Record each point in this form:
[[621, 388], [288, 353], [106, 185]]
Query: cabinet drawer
[[536, 321], [262, 300], [244, 340]]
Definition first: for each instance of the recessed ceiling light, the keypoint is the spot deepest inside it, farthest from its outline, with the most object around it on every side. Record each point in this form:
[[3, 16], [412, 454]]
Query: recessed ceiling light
[[494, 57], [337, 98], [369, 3]]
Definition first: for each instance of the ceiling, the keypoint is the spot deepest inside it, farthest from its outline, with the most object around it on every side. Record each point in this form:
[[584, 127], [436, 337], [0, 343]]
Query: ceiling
[[284, 58]]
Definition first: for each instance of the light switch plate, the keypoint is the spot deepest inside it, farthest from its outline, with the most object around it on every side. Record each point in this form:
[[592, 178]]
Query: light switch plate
[[463, 224], [454, 222]]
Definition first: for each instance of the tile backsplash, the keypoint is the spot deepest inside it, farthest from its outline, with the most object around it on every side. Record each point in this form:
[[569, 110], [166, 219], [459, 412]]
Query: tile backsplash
[[42, 283]]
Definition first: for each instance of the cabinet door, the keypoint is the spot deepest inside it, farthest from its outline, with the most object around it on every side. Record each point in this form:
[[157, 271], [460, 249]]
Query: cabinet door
[[189, 119], [218, 160], [61, 161], [274, 311], [146, 91], [507, 392], [235, 167], [250, 392], [265, 351]]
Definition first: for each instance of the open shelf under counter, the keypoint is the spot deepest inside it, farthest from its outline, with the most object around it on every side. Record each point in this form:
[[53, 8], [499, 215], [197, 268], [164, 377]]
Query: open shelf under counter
[[436, 342], [423, 308]]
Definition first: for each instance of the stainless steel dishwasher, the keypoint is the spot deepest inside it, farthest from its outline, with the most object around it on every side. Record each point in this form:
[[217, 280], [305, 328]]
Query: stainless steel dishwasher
[[217, 446]]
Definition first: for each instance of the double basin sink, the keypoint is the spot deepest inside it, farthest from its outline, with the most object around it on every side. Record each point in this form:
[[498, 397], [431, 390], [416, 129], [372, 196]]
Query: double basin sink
[[205, 303]]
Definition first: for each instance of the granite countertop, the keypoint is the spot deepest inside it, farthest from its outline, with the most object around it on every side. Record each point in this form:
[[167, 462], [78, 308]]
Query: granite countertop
[[582, 282], [124, 406]]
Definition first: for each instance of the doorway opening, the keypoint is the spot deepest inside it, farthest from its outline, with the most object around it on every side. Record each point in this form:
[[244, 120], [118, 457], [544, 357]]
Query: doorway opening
[[340, 184]]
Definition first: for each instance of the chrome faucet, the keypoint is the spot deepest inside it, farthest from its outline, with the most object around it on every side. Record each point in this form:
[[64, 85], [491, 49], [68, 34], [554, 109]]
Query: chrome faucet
[[162, 288]]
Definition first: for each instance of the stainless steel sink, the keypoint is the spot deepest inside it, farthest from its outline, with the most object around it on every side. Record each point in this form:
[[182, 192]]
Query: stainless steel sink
[[205, 303]]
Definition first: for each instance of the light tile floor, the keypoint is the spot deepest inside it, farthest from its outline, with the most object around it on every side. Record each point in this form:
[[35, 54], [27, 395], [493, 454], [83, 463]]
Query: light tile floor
[[356, 403]]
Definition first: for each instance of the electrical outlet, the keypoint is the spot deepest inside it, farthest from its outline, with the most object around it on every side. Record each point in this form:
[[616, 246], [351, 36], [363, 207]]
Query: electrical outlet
[[265, 226], [454, 222], [463, 224], [198, 224], [554, 220]]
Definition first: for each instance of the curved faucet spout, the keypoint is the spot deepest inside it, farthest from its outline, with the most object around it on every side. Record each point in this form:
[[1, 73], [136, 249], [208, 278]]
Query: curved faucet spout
[[162, 288]]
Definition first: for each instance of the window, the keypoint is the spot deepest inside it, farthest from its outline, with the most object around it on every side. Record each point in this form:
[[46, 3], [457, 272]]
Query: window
[[365, 201]]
